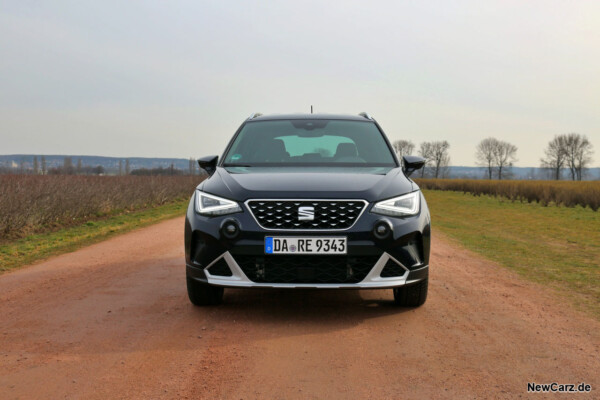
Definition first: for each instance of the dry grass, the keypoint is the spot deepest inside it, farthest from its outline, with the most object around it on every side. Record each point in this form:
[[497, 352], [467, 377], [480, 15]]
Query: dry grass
[[19, 252], [33, 204], [566, 193]]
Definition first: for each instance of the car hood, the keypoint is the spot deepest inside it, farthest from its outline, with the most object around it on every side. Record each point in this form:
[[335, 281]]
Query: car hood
[[332, 185]]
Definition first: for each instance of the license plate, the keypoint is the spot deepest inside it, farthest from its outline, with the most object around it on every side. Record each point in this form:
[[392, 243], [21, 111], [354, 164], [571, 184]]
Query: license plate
[[305, 245]]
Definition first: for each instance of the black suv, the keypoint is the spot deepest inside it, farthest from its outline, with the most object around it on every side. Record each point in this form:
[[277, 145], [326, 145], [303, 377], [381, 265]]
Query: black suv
[[308, 201]]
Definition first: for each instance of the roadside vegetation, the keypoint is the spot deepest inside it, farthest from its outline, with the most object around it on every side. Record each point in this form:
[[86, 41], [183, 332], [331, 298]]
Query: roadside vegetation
[[564, 193], [556, 246], [27, 250], [34, 204], [46, 215]]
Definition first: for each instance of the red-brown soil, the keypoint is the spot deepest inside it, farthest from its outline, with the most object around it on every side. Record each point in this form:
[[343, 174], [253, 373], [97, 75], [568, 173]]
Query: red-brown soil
[[113, 321]]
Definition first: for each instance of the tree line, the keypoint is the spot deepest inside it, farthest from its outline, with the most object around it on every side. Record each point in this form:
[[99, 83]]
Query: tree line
[[39, 166], [436, 155], [570, 151]]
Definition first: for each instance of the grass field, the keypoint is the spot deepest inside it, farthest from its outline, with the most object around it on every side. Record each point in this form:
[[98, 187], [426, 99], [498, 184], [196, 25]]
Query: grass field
[[36, 247], [555, 246]]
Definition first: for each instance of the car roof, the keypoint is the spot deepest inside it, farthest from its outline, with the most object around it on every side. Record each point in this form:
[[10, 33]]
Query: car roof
[[275, 117]]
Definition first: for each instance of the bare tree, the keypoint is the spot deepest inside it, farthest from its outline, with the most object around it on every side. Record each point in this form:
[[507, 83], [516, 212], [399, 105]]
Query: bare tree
[[485, 154], [44, 168], [426, 151], [79, 166], [403, 148], [436, 156], [579, 152], [127, 167], [556, 155], [504, 156], [441, 158], [36, 166], [68, 165], [584, 158]]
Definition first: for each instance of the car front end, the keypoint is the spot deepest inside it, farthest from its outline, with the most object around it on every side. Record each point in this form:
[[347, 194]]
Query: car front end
[[303, 224]]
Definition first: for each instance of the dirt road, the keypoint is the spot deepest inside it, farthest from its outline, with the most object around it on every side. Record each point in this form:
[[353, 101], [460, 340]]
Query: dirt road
[[113, 321]]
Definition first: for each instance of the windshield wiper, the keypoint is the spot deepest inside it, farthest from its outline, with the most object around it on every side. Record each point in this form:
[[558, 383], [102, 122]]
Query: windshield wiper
[[236, 165]]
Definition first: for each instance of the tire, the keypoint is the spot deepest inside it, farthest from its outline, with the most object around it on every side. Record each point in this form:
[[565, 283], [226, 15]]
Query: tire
[[413, 295], [201, 294]]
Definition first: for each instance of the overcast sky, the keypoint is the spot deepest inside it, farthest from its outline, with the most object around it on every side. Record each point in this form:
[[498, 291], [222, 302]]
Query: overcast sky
[[176, 79]]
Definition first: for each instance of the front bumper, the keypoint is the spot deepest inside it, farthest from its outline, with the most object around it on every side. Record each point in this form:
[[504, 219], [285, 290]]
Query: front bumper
[[373, 280], [400, 259]]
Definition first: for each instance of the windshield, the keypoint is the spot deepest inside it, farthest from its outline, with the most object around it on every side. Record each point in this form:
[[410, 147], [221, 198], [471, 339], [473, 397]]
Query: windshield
[[311, 143]]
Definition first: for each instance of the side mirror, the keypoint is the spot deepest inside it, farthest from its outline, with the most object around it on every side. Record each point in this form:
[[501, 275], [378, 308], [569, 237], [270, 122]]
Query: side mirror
[[412, 163], [209, 164]]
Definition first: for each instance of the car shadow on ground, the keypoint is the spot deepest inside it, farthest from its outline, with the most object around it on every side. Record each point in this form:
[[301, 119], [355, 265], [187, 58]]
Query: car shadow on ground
[[305, 311]]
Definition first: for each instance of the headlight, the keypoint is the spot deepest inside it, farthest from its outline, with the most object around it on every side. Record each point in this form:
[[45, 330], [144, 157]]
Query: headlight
[[408, 204], [207, 204]]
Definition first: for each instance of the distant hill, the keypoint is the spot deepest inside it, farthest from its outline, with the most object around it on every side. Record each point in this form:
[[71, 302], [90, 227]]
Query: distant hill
[[111, 165], [531, 173]]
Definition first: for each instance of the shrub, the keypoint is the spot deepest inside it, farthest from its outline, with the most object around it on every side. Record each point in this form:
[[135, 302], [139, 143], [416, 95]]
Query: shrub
[[566, 193], [35, 203]]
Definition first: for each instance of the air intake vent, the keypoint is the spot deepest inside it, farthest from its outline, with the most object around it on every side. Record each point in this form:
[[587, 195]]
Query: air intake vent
[[306, 269], [392, 269], [220, 268]]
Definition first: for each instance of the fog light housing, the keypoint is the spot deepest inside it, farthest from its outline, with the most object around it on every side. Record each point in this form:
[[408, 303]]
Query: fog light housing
[[230, 228], [382, 229]]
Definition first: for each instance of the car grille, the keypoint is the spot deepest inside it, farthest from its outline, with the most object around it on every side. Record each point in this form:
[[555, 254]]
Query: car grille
[[306, 269], [328, 214]]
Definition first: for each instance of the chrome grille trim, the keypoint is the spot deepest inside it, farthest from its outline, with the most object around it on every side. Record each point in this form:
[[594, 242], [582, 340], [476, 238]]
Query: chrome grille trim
[[366, 203]]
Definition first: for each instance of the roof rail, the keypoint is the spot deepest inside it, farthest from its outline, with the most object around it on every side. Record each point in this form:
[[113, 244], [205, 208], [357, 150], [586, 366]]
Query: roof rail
[[366, 115], [254, 115]]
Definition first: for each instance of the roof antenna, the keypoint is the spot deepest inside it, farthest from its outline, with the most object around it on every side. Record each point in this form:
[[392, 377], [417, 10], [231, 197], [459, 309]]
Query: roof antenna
[[311, 108]]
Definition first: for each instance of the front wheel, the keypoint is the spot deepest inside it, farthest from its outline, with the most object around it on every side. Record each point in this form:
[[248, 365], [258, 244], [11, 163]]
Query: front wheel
[[201, 294], [413, 295]]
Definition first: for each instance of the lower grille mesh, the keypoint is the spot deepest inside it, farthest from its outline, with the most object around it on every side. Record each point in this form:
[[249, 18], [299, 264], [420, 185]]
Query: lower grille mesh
[[306, 269]]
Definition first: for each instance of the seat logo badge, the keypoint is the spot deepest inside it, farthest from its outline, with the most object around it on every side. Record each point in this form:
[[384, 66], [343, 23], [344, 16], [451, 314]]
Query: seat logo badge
[[306, 213]]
